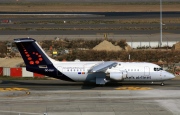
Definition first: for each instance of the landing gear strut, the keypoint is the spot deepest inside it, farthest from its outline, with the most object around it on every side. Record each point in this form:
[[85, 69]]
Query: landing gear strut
[[162, 84]]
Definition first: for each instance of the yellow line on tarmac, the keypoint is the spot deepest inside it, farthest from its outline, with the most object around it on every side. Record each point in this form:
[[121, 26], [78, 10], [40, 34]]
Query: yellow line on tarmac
[[13, 89], [133, 88]]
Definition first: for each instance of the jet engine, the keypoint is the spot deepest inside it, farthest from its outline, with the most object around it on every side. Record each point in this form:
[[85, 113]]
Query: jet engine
[[117, 76]]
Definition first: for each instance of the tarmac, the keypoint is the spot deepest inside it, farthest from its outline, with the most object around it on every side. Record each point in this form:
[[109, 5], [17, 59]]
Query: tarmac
[[56, 97], [88, 1], [129, 37]]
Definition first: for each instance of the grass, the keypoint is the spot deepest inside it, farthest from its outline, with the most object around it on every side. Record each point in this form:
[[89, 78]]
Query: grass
[[112, 21], [105, 28], [88, 3], [132, 24]]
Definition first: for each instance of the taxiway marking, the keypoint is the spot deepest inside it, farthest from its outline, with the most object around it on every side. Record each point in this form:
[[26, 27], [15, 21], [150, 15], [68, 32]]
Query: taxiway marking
[[133, 88], [13, 89]]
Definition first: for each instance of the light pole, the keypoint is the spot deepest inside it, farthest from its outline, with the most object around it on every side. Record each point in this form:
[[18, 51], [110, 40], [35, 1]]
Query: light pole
[[160, 23]]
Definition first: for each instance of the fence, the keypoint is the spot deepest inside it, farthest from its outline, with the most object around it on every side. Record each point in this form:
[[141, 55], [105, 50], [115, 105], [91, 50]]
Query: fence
[[18, 72]]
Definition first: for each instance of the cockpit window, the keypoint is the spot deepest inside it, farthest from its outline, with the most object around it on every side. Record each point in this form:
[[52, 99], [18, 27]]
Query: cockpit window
[[157, 69]]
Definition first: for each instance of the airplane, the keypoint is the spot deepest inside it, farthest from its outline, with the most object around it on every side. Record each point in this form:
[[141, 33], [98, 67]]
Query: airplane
[[99, 72]]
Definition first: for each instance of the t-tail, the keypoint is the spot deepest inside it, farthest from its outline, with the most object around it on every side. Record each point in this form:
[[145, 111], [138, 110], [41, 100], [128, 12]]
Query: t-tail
[[36, 59]]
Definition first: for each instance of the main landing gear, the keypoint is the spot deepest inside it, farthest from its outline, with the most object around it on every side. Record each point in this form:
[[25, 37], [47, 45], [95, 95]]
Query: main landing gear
[[162, 84]]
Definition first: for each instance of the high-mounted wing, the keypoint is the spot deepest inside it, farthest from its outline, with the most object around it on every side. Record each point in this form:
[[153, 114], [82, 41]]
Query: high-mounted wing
[[102, 67]]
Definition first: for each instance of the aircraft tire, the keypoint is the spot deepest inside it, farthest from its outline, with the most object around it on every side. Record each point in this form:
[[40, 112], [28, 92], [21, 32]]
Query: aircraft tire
[[162, 84]]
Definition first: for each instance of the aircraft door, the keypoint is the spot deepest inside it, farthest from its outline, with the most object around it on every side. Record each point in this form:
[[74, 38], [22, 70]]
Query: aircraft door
[[146, 71]]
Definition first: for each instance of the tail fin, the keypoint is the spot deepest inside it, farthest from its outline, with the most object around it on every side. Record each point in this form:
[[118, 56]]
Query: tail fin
[[32, 54], [36, 59]]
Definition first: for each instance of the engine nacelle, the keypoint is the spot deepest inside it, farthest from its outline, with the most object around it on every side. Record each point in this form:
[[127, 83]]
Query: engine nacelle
[[117, 76]]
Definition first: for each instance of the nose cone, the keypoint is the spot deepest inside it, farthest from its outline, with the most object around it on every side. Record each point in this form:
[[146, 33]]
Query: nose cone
[[170, 75]]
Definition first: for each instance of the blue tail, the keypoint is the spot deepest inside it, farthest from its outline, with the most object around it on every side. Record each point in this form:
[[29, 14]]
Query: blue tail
[[31, 53], [36, 59]]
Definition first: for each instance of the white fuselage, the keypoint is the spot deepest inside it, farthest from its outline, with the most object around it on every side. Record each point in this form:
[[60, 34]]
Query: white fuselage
[[135, 71]]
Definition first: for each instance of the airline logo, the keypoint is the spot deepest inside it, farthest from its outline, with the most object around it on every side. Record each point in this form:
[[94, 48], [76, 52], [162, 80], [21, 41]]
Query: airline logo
[[29, 58], [81, 72]]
